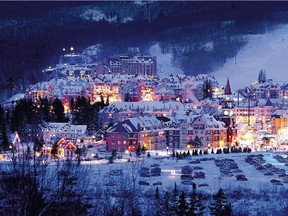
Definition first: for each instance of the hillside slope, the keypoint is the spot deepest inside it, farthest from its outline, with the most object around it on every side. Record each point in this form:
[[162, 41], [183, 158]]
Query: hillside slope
[[200, 36], [264, 51]]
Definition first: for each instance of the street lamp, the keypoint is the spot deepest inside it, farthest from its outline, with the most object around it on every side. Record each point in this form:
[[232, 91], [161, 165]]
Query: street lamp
[[167, 148]]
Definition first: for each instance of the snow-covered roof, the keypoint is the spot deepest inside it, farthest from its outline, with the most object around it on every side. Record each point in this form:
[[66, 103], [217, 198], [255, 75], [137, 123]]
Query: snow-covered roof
[[16, 97], [65, 127], [144, 106]]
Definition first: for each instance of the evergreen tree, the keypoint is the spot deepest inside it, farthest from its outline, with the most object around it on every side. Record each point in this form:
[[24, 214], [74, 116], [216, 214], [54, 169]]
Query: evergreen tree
[[44, 110], [175, 190], [58, 111], [262, 76], [112, 157], [82, 112], [195, 206], [143, 150], [184, 154], [166, 204], [182, 205], [55, 151], [114, 154], [157, 202], [174, 200], [102, 103], [8, 122], [78, 153], [207, 89], [228, 210], [4, 142], [72, 105], [23, 117], [148, 155], [220, 206], [197, 142], [138, 151], [157, 195]]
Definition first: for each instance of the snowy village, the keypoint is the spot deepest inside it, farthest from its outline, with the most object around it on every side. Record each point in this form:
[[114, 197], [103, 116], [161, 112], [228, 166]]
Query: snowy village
[[136, 108], [124, 115]]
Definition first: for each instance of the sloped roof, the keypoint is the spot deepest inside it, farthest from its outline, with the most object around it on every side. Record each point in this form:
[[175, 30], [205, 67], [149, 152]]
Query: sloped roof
[[227, 90], [122, 127], [268, 103]]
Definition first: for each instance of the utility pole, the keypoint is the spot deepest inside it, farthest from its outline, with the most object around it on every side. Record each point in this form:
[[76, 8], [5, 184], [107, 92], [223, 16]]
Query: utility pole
[[249, 109]]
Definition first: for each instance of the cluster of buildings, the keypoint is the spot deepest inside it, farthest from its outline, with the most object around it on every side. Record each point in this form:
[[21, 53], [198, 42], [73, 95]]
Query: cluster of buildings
[[161, 112]]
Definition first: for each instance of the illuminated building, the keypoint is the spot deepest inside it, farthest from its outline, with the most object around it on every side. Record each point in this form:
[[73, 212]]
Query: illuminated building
[[228, 115], [129, 134], [105, 90], [257, 114], [164, 92], [52, 130], [211, 132], [120, 111], [142, 65]]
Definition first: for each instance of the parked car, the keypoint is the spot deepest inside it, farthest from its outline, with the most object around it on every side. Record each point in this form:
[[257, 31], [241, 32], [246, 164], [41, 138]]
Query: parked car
[[275, 181], [241, 177], [203, 185], [157, 183], [186, 177], [143, 183]]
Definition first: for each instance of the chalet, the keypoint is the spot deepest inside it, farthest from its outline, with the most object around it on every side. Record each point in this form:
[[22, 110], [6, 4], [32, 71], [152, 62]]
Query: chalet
[[65, 148], [15, 141], [163, 92], [66, 131], [122, 136], [211, 132]]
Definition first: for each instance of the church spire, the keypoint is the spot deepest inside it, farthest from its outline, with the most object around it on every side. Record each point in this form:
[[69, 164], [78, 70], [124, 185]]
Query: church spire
[[227, 90]]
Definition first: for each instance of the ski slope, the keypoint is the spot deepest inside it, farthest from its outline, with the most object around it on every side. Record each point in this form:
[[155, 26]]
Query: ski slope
[[267, 51]]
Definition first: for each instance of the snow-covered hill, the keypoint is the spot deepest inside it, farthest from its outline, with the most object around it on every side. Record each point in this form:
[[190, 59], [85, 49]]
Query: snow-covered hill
[[164, 62], [265, 51]]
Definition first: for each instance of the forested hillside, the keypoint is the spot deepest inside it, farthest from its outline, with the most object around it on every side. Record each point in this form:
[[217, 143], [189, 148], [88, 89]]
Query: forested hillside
[[201, 35]]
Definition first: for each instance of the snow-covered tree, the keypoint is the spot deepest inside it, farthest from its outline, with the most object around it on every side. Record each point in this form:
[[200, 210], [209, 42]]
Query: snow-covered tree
[[58, 111], [182, 205], [262, 76], [4, 144], [195, 205], [220, 205]]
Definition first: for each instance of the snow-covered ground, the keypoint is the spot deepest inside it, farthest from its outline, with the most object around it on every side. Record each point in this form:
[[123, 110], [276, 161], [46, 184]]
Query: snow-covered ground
[[171, 170], [256, 196], [165, 67], [264, 51]]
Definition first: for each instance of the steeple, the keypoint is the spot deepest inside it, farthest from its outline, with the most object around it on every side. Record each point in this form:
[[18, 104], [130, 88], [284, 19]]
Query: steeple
[[227, 90], [268, 103]]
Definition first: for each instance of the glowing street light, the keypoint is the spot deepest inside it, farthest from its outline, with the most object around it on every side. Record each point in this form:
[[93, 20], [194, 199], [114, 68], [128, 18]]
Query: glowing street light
[[71, 48], [64, 49]]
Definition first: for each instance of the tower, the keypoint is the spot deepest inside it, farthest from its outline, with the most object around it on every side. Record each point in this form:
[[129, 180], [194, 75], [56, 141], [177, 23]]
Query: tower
[[227, 115]]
